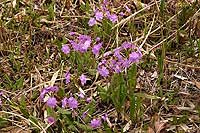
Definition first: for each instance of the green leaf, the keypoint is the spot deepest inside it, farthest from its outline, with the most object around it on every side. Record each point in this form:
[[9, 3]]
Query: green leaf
[[144, 95], [51, 11], [118, 91], [82, 126], [50, 111], [106, 28], [132, 108], [136, 111], [64, 111], [3, 122], [98, 30], [187, 12], [132, 78], [104, 93], [19, 83], [61, 92], [86, 8], [17, 65], [23, 107], [162, 6], [33, 119], [9, 83]]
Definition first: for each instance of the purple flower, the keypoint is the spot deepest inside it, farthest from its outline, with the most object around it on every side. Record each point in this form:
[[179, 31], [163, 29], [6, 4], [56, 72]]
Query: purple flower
[[46, 90], [126, 63], [64, 102], [42, 94], [104, 117], [85, 46], [112, 62], [121, 14], [1, 93], [84, 42], [81, 95], [117, 53], [95, 123], [74, 45], [139, 53], [127, 45], [67, 77], [103, 62], [96, 49], [113, 18], [52, 102], [52, 89], [103, 71], [66, 49], [50, 120], [98, 39], [105, 2], [98, 15], [128, 9], [135, 56], [72, 102], [107, 53], [89, 99], [117, 68], [92, 22], [107, 14], [83, 79], [84, 114], [104, 8], [72, 33]]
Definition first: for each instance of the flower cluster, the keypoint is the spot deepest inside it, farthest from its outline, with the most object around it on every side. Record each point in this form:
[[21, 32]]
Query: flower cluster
[[52, 102], [114, 61], [70, 102], [51, 120], [67, 77], [96, 122], [47, 90], [81, 43], [83, 78], [102, 12], [119, 59]]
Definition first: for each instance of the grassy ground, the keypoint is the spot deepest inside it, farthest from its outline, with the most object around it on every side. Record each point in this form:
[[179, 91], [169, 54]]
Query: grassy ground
[[160, 93]]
